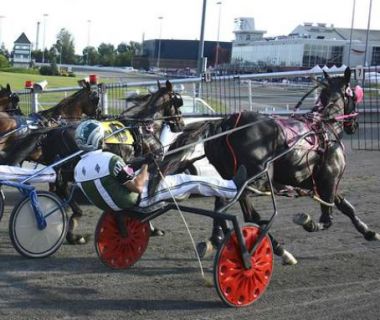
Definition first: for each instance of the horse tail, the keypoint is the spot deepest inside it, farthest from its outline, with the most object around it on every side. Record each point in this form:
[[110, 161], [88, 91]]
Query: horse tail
[[179, 161]]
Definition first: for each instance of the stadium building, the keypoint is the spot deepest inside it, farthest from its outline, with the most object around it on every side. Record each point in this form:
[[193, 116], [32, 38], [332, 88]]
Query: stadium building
[[176, 54], [306, 46]]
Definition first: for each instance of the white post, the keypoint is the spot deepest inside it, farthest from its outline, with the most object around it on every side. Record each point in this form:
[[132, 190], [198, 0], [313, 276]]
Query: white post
[[103, 98], [250, 95], [34, 101]]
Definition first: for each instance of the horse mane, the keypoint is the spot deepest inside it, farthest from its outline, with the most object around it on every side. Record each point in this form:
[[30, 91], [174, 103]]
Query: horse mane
[[144, 105], [59, 108]]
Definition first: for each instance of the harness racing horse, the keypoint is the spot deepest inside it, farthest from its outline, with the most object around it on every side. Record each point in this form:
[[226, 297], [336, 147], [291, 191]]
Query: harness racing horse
[[12, 124], [144, 123], [9, 101], [18, 141], [315, 164], [83, 102]]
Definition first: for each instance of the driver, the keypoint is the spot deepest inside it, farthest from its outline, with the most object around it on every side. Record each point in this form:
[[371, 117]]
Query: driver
[[109, 183]]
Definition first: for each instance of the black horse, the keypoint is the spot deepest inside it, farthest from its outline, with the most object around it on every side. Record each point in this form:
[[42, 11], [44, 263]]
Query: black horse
[[145, 121], [315, 165]]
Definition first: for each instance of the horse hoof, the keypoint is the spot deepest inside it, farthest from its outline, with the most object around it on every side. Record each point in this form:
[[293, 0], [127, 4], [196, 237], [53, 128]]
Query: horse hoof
[[372, 236], [205, 249], [301, 219], [77, 239], [288, 259], [157, 232]]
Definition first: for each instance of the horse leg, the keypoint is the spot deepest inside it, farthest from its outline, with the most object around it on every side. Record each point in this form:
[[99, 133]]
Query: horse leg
[[208, 247], [348, 209], [62, 190], [71, 236], [154, 231], [251, 215]]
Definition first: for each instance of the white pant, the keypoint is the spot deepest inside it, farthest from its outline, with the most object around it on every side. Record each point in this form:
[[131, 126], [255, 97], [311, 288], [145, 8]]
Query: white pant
[[181, 184]]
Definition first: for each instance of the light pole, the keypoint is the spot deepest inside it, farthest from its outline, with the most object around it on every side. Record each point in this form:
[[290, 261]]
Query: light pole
[[201, 40], [44, 38], [219, 3], [1, 28], [367, 34], [159, 43], [352, 27], [88, 39]]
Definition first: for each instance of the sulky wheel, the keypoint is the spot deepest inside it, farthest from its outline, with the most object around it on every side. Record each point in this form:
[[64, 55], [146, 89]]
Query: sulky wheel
[[2, 200], [236, 286], [118, 251], [27, 238]]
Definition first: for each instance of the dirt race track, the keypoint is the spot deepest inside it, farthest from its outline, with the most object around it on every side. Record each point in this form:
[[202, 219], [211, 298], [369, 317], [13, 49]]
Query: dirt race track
[[337, 275]]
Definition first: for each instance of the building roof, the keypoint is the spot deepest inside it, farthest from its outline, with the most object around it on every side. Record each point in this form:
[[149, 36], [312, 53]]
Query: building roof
[[359, 34], [22, 39], [329, 32], [319, 31]]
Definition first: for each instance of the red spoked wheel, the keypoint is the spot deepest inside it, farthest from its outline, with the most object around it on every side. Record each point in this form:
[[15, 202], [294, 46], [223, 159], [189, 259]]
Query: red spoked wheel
[[237, 286], [115, 250]]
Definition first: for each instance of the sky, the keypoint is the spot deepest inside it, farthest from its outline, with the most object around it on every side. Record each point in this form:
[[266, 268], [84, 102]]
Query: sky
[[115, 21]]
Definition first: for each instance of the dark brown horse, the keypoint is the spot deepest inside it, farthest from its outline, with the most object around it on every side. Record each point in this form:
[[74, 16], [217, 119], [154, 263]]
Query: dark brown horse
[[84, 102], [314, 165], [145, 121], [9, 101], [18, 140]]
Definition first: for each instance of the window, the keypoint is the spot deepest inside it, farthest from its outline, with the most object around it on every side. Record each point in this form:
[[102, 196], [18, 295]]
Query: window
[[375, 56], [321, 55]]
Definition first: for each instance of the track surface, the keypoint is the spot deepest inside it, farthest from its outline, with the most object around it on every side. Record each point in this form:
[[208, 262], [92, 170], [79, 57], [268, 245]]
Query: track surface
[[337, 276]]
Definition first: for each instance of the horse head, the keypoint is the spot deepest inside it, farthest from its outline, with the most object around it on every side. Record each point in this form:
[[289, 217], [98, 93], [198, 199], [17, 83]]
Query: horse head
[[338, 101], [166, 104], [9, 101], [88, 99]]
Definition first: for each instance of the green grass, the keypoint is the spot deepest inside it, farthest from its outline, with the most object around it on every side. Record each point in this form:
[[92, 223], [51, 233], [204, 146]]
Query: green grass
[[17, 80]]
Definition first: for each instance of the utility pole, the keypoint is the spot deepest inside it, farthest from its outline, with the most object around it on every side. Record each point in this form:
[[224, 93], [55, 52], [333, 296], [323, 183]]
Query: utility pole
[[37, 35], [352, 27], [88, 40], [219, 3], [366, 63], [159, 43], [1, 29], [44, 38], [201, 40]]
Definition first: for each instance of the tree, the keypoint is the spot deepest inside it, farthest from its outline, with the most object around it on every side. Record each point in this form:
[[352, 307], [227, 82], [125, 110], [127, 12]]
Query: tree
[[134, 47], [107, 54], [37, 55], [122, 48], [4, 51], [3, 61], [65, 46], [90, 56]]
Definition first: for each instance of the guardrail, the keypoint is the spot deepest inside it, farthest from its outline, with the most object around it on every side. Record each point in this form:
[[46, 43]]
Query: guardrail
[[268, 92]]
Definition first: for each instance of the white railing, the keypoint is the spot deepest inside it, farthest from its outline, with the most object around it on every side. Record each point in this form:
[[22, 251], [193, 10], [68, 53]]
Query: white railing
[[251, 90]]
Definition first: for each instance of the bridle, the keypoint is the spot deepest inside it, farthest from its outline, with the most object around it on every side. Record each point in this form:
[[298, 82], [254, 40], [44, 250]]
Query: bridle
[[320, 107], [13, 100], [173, 120]]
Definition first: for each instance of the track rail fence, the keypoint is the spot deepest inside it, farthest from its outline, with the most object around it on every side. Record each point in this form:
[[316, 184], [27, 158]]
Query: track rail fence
[[274, 93]]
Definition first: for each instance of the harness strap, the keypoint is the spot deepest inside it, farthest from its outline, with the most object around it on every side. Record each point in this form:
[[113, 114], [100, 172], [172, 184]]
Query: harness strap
[[233, 154], [299, 103]]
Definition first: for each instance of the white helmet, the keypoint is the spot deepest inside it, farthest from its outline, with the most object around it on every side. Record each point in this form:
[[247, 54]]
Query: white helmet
[[89, 135]]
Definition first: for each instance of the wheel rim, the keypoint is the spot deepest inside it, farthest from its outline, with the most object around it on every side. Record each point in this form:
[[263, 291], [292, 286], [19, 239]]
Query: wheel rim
[[237, 286], [120, 252], [35, 242]]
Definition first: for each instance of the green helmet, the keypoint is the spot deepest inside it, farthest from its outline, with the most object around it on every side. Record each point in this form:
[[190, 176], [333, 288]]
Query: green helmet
[[89, 135]]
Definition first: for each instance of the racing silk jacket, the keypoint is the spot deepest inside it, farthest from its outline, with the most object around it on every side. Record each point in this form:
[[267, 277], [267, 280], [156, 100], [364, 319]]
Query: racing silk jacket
[[96, 174]]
